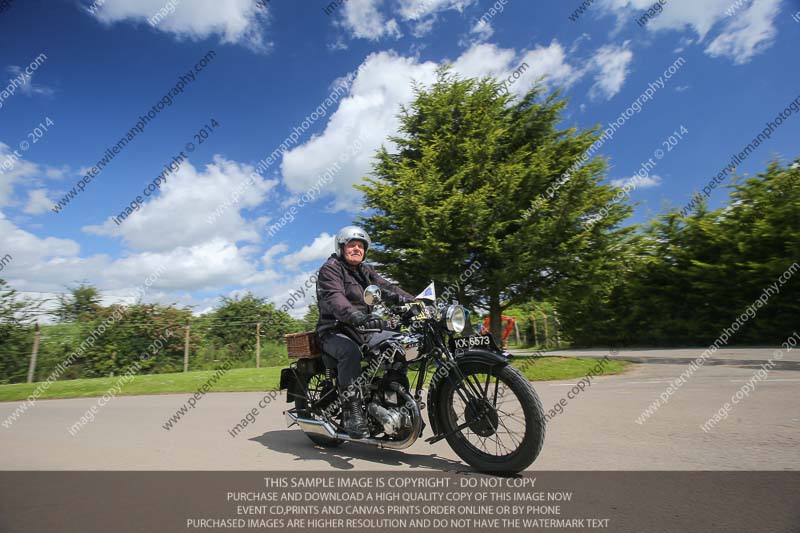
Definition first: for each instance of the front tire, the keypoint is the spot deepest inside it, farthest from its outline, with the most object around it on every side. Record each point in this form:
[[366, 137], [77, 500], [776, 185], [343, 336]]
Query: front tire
[[506, 425], [314, 387]]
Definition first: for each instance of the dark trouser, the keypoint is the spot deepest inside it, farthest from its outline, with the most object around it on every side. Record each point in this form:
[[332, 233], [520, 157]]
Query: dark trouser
[[348, 354]]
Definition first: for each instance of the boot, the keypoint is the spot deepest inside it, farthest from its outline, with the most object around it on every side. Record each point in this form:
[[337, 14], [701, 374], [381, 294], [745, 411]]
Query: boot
[[354, 422]]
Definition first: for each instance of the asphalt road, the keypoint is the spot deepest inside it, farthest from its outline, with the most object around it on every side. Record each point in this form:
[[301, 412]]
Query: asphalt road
[[596, 431]]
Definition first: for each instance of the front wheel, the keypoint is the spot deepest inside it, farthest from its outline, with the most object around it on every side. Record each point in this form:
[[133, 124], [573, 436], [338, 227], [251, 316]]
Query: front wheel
[[500, 415]]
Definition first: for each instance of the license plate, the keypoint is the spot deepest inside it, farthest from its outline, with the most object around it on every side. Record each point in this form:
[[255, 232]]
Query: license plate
[[474, 341]]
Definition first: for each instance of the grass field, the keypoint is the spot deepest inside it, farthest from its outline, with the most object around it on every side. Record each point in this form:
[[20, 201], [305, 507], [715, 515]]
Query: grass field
[[252, 379]]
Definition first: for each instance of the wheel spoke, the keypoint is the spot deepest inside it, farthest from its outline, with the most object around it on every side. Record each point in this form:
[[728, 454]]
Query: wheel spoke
[[511, 415], [510, 434], [486, 388]]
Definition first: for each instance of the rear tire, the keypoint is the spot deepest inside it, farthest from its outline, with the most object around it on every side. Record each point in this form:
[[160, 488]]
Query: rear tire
[[313, 385], [452, 412]]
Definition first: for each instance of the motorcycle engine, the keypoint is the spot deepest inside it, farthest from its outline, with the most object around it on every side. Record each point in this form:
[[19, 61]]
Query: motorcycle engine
[[395, 421], [388, 410]]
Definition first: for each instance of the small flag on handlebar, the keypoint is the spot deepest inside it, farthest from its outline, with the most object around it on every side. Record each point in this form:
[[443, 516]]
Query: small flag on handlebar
[[428, 294]]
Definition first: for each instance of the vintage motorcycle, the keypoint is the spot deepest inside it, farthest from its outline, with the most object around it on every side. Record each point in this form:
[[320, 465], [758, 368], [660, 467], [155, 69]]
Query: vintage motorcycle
[[485, 408]]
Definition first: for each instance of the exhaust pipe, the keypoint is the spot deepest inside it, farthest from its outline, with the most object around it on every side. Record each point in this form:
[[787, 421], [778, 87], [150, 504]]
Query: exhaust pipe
[[326, 429]]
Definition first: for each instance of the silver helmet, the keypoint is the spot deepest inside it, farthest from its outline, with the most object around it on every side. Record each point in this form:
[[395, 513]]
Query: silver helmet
[[346, 235]]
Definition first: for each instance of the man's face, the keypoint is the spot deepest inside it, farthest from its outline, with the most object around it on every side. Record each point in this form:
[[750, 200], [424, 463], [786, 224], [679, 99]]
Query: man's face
[[354, 252]]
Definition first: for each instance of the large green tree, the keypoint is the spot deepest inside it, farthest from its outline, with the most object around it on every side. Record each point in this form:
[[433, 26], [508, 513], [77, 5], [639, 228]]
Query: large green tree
[[686, 278], [476, 177]]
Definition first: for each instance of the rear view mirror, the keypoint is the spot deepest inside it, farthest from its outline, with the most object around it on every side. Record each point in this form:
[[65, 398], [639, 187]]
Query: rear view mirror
[[372, 295]]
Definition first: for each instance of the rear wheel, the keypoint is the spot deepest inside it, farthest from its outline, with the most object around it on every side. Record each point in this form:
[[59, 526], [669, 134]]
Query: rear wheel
[[502, 418], [317, 387]]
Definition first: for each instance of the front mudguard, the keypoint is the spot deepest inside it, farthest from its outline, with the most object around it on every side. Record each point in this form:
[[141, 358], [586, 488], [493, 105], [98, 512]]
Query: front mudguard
[[489, 358]]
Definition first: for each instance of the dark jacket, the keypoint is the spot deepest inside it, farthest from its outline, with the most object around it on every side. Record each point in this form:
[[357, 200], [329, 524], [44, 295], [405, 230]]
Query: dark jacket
[[340, 291]]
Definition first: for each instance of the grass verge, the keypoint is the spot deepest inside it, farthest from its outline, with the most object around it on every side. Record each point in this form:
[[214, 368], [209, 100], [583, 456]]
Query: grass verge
[[260, 379]]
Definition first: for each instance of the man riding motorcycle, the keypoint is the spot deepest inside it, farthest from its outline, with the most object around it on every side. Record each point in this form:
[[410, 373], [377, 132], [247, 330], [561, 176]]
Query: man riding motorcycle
[[340, 288]]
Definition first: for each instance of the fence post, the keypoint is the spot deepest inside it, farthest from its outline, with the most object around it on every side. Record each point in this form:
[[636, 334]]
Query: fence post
[[258, 345], [535, 332], [186, 349], [546, 334], [558, 329], [34, 353]]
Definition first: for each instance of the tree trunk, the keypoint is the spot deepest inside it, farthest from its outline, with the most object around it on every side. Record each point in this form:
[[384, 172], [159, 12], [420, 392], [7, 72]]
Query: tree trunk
[[495, 317]]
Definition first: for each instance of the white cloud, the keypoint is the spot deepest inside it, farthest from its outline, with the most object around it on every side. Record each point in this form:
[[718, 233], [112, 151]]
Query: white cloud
[[370, 110], [423, 27], [268, 258], [676, 15], [363, 20], [485, 60], [748, 33], [183, 205], [549, 62], [741, 36], [419, 9], [321, 248], [27, 87], [50, 264], [637, 182], [234, 21], [383, 82], [38, 202], [376, 19], [483, 30], [14, 171], [612, 64]]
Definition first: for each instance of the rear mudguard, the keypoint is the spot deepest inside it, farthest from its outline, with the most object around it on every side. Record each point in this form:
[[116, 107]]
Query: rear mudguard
[[294, 377], [486, 357]]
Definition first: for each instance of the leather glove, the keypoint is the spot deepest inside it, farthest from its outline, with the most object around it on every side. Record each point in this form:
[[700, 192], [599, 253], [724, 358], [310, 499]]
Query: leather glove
[[358, 318], [375, 322], [361, 319]]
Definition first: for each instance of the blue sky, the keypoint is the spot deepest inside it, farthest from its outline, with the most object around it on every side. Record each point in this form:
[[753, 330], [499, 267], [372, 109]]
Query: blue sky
[[104, 65]]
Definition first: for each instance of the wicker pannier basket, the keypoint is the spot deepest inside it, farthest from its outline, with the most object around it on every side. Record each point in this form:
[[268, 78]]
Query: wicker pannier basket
[[302, 345]]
